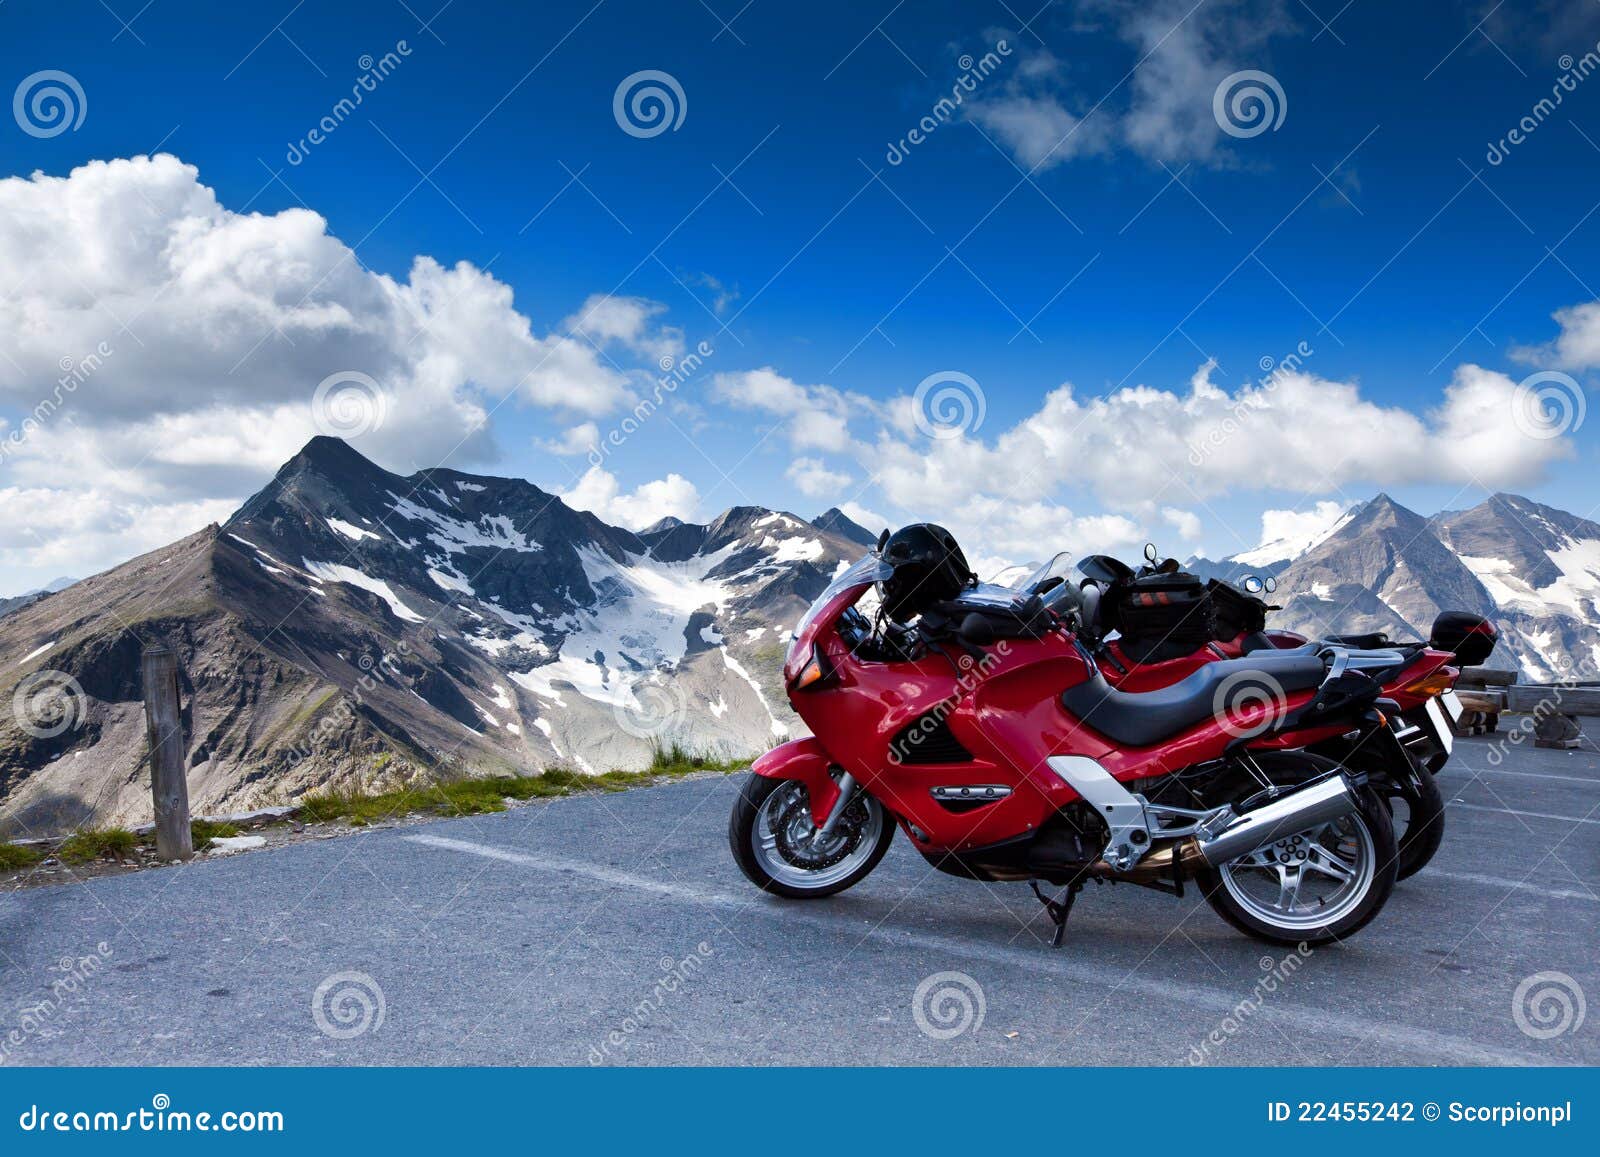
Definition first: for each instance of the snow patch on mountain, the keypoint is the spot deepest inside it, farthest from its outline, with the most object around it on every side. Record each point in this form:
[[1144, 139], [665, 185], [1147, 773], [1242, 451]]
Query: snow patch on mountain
[[339, 573]]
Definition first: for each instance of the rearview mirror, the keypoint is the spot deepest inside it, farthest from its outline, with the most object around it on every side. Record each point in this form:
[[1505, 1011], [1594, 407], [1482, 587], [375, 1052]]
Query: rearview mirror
[[1252, 585], [1151, 554], [1270, 584]]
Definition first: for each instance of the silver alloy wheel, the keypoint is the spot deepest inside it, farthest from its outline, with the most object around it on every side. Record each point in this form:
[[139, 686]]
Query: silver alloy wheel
[[1307, 880], [787, 847]]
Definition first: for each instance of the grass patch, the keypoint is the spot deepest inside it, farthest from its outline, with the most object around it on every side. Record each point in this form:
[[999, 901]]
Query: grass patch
[[462, 797], [90, 844], [202, 832], [14, 856]]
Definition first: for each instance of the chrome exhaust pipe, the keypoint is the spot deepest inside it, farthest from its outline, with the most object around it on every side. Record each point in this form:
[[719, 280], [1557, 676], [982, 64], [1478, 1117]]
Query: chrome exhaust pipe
[[1318, 803]]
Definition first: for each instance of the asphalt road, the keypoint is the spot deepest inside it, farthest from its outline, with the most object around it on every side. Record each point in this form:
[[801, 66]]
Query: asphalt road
[[616, 929]]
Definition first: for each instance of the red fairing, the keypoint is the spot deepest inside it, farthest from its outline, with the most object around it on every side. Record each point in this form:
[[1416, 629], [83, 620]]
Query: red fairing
[[806, 761], [1004, 709]]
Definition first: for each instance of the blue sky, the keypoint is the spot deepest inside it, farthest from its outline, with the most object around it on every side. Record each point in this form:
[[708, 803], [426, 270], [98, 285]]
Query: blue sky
[[1368, 225]]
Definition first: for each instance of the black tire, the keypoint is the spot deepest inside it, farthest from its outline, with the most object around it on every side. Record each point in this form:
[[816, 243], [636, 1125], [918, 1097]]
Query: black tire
[[1285, 769], [1420, 832], [1424, 829], [743, 823]]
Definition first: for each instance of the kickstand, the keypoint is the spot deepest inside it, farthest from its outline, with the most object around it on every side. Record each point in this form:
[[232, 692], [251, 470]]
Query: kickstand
[[1058, 910]]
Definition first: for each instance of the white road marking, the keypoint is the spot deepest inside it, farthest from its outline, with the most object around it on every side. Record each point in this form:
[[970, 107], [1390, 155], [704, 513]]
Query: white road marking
[[1498, 882], [1474, 772], [1508, 811], [1315, 1020]]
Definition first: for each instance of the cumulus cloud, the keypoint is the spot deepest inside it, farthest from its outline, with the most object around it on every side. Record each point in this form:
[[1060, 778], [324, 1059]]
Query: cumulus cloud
[[816, 417], [579, 439], [1185, 522], [209, 330], [599, 492], [1576, 347], [815, 479]]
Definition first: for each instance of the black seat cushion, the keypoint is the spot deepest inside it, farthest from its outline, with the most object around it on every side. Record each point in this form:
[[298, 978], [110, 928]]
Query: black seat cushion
[[1142, 718]]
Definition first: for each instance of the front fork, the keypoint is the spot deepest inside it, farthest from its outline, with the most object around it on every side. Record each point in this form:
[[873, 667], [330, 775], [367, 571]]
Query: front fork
[[847, 792]]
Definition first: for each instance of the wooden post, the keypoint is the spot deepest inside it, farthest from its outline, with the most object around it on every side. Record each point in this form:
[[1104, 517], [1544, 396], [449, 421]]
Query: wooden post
[[169, 783]]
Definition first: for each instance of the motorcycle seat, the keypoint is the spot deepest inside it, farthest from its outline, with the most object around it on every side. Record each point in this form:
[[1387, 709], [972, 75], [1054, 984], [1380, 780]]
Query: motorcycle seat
[[1144, 718]]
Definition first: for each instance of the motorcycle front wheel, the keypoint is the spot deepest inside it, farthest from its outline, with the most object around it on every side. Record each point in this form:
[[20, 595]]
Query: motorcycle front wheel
[[780, 850], [1309, 887]]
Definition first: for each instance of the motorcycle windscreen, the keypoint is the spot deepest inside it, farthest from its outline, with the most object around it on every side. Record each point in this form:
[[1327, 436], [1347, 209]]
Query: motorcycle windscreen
[[864, 572]]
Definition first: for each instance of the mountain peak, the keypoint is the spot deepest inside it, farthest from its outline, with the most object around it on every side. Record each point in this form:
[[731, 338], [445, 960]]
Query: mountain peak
[[838, 522], [329, 455]]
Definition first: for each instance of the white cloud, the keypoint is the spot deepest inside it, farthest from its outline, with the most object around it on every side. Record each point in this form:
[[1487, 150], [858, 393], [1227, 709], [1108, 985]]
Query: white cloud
[[1287, 534], [579, 439], [1038, 130], [817, 417], [599, 492], [1576, 347], [1185, 522], [628, 321], [1163, 113], [865, 518], [211, 330], [815, 479]]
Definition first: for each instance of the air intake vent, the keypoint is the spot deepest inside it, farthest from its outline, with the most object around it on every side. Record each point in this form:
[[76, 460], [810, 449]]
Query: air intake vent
[[928, 739]]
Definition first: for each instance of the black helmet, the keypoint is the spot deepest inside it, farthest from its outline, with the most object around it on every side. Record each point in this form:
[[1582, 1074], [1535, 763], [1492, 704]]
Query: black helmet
[[928, 568]]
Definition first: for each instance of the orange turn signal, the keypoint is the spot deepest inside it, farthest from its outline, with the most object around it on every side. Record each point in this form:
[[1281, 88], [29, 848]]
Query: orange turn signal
[[811, 673], [1437, 683]]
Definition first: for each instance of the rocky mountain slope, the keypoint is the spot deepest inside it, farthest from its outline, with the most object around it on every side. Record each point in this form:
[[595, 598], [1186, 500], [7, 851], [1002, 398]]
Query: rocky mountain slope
[[1532, 569], [349, 626]]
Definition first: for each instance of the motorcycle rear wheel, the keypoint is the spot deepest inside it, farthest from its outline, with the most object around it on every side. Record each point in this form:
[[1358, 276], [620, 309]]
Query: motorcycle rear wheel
[[1312, 887], [775, 843]]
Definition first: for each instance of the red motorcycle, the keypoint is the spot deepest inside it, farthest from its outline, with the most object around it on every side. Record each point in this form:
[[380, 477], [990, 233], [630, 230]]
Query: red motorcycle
[[976, 722], [1164, 638]]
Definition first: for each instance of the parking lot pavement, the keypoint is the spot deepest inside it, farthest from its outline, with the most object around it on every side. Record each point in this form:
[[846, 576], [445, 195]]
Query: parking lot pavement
[[616, 929]]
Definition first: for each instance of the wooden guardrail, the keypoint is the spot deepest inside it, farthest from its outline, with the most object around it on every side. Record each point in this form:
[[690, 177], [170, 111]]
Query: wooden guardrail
[[1487, 691]]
